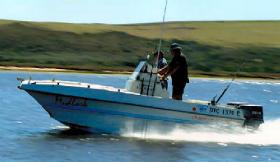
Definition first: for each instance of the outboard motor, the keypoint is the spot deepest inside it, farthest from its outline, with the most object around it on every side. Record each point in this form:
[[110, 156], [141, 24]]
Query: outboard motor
[[145, 81], [252, 113]]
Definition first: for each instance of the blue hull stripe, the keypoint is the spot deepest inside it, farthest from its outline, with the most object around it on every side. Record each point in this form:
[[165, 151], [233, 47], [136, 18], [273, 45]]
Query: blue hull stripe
[[125, 114]]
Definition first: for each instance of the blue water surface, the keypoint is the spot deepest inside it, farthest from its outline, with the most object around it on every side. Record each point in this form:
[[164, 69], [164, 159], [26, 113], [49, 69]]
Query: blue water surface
[[29, 134]]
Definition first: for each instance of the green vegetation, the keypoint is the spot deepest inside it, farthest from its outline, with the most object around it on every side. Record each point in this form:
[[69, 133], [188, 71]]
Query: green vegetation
[[212, 48]]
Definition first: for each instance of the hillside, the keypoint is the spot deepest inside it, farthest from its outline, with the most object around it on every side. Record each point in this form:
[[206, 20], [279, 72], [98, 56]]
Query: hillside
[[212, 48]]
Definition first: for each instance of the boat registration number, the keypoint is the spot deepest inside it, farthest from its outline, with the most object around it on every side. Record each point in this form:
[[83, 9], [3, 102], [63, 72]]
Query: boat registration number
[[224, 112]]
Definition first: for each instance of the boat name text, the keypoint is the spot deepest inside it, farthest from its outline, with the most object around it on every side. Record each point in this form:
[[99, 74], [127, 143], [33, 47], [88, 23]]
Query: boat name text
[[71, 101]]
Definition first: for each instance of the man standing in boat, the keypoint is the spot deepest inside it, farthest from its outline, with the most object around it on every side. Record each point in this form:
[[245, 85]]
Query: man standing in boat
[[178, 69]]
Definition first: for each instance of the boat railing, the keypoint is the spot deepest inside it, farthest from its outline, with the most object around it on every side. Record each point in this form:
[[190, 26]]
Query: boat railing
[[73, 84]]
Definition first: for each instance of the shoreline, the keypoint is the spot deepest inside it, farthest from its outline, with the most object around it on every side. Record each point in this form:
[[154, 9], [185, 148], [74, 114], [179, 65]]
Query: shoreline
[[59, 70], [194, 75]]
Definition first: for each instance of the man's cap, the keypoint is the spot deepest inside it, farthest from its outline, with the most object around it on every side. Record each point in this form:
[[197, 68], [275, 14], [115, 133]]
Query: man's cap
[[175, 46]]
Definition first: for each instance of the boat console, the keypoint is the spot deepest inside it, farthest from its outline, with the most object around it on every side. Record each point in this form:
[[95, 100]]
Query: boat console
[[145, 81]]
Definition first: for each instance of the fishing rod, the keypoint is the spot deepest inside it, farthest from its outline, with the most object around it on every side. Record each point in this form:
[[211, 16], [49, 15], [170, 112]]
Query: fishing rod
[[214, 101], [161, 30], [158, 49]]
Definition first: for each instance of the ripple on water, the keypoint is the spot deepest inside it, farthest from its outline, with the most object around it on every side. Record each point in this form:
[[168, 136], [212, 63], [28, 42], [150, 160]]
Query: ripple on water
[[274, 101], [266, 90]]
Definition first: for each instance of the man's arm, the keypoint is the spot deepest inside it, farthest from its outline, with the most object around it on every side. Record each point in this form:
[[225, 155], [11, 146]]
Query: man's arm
[[170, 72], [174, 70], [163, 70]]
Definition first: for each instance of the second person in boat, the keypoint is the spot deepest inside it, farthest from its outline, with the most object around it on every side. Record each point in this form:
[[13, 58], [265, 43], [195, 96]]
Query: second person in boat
[[160, 63]]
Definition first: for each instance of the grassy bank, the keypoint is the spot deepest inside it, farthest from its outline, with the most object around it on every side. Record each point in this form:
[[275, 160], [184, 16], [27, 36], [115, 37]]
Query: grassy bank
[[212, 48]]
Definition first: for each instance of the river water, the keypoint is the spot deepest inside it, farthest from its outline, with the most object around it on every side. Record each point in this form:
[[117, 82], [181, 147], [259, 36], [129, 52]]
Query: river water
[[29, 134]]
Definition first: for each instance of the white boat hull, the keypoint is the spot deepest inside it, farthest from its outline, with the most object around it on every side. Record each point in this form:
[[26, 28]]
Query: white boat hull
[[117, 118]]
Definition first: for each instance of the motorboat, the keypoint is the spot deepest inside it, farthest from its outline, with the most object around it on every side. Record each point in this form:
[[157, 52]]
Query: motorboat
[[143, 104]]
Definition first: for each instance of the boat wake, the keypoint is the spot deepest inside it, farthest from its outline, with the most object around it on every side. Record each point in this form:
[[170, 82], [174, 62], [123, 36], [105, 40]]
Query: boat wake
[[267, 134]]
